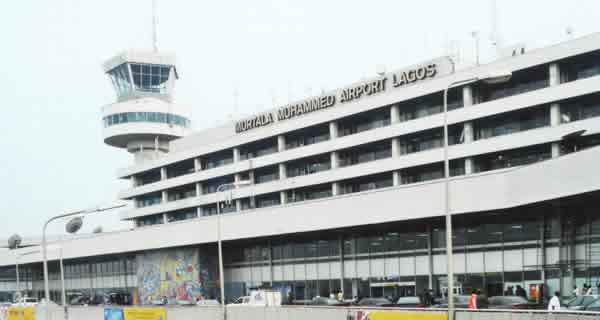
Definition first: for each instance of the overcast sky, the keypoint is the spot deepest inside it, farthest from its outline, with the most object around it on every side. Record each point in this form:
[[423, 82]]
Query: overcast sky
[[52, 86]]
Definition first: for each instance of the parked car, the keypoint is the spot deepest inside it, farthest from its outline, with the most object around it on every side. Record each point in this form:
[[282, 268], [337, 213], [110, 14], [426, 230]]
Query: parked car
[[594, 306], [411, 302], [324, 301], [581, 302], [27, 301], [375, 302], [242, 300], [509, 302], [462, 301]]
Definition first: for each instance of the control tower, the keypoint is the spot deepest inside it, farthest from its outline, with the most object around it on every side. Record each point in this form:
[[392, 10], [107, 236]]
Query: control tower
[[144, 118]]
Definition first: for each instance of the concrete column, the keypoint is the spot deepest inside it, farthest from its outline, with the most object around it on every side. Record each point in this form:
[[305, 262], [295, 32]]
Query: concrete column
[[468, 138], [165, 219], [395, 114], [252, 198], [197, 164], [430, 255], [335, 161], [280, 143], [133, 182], [555, 107], [238, 203], [468, 134], [236, 154], [282, 171], [467, 96], [397, 179], [333, 130], [396, 147], [198, 189], [199, 212], [283, 197], [165, 196], [163, 173], [335, 188]]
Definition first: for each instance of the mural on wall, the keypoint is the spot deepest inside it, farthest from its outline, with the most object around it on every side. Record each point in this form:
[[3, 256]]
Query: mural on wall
[[179, 276]]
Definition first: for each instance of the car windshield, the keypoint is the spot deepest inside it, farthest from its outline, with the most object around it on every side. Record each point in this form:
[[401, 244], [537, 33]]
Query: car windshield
[[408, 300], [588, 299], [582, 301]]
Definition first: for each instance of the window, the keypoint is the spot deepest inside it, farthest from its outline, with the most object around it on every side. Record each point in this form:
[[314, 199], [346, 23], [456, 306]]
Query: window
[[511, 122], [268, 200], [182, 192], [155, 117], [258, 149], [150, 220], [210, 186], [152, 78], [180, 168], [307, 136], [365, 153], [521, 82], [430, 104], [366, 183], [580, 108], [422, 173], [365, 121], [147, 177], [309, 193], [308, 165], [421, 141], [217, 159], [266, 174], [149, 199], [511, 158], [182, 215], [580, 67]]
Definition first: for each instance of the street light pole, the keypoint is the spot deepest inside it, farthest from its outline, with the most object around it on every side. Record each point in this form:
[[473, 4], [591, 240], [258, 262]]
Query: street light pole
[[44, 243], [219, 241], [491, 79]]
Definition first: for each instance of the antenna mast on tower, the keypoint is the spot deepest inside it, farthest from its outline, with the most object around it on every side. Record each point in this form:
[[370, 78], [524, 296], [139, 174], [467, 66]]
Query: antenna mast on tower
[[154, 27]]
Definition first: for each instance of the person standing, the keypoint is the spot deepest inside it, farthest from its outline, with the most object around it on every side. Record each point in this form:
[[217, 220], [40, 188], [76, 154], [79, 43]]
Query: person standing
[[554, 304], [473, 300], [588, 291], [576, 291]]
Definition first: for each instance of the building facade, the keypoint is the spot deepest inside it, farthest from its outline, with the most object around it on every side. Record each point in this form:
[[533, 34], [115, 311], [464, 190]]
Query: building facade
[[344, 192]]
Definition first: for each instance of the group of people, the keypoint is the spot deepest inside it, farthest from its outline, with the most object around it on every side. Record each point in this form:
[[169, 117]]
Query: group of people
[[585, 291], [519, 291]]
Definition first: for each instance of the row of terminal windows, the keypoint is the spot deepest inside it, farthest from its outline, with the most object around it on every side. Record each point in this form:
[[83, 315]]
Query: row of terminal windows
[[497, 125], [508, 226], [422, 173], [157, 117]]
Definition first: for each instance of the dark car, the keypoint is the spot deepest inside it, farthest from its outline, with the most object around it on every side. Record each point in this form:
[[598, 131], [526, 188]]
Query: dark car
[[323, 301], [410, 302], [462, 302], [375, 302], [581, 302], [509, 302]]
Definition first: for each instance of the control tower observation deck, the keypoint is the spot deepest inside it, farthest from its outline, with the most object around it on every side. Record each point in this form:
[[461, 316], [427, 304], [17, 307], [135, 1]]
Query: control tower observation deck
[[144, 118]]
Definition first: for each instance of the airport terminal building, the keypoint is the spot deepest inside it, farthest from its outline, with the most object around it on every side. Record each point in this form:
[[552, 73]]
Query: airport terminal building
[[344, 191]]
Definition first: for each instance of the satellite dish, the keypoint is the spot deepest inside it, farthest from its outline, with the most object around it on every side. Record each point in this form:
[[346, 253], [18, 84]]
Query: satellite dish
[[74, 225], [97, 229], [14, 241]]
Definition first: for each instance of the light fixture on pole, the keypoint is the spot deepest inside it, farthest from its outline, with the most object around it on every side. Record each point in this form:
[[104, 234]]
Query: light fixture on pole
[[71, 227], [219, 242], [492, 78]]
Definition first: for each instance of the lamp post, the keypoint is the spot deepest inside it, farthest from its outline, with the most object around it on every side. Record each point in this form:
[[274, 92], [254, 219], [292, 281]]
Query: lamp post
[[490, 79], [71, 227], [219, 242]]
